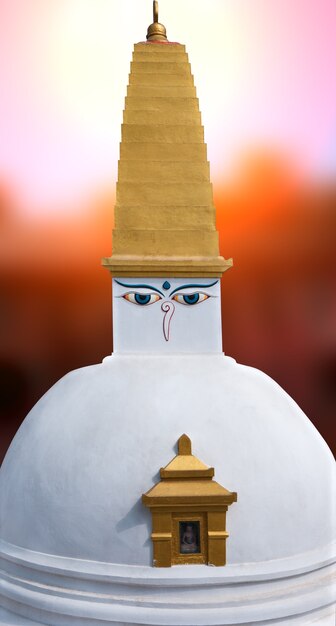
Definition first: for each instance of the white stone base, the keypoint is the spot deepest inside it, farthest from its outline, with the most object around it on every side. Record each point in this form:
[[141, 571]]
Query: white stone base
[[317, 618], [54, 591], [10, 619]]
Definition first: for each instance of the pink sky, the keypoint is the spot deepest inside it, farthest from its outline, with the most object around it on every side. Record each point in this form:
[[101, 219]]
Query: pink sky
[[264, 71]]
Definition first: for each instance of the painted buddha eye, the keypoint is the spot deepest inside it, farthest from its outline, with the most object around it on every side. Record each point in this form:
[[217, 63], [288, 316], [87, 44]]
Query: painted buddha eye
[[144, 299], [190, 298]]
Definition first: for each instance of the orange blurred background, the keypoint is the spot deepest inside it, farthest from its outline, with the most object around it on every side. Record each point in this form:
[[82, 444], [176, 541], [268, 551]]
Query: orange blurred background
[[276, 215]]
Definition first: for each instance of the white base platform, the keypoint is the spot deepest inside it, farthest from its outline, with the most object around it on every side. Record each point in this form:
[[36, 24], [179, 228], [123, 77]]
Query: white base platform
[[319, 618], [43, 589]]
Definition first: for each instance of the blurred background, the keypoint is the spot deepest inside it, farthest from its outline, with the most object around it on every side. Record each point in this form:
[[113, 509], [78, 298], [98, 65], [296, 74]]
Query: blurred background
[[266, 79]]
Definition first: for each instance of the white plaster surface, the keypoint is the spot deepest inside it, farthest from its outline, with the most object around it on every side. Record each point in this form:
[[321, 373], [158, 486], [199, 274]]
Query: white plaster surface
[[193, 328], [71, 485]]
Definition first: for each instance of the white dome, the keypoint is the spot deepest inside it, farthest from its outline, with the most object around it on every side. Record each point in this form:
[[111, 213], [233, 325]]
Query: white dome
[[72, 480]]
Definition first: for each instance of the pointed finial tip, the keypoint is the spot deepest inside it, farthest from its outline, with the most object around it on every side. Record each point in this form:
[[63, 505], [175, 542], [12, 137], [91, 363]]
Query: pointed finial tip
[[156, 31], [155, 11], [184, 445]]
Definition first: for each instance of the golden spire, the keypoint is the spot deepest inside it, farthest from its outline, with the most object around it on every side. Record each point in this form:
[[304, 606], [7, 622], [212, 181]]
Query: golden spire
[[156, 31], [165, 219]]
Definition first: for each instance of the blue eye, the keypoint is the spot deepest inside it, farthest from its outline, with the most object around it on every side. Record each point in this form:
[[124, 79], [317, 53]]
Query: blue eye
[[190, 298], [143, 299]]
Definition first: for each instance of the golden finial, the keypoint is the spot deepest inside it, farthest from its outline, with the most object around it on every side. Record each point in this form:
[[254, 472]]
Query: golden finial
[[156, 31], [184, 445]]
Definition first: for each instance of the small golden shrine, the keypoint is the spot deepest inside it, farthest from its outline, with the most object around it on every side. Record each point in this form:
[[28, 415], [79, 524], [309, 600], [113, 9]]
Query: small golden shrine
[[188, 512]]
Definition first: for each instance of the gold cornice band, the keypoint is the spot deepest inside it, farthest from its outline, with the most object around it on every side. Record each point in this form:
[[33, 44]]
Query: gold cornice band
[[137, 267]]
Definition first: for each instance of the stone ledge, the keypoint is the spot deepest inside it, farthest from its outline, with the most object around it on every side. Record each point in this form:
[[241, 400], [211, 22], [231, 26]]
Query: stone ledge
[[58, 590]]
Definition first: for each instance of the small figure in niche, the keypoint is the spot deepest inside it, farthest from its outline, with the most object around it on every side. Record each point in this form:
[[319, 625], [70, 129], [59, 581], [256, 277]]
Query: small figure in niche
[[189, 537]]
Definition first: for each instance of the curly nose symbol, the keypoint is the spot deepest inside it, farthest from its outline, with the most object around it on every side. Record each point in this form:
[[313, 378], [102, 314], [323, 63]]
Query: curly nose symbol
[[168, 309]]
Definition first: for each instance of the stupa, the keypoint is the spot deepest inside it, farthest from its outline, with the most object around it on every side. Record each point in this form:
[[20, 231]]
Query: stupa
[[91, 533]]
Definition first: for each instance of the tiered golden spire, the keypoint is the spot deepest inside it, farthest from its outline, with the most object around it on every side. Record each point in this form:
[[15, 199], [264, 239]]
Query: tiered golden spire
[[164, 213]]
